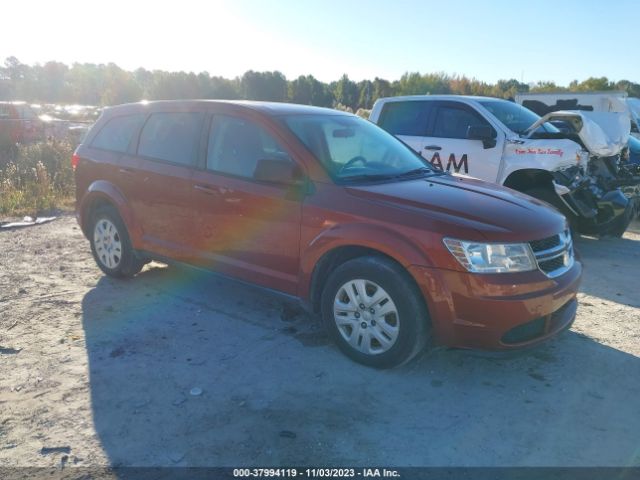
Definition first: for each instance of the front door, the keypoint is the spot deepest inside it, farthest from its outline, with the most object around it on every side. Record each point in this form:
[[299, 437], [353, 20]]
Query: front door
[[245, 228], [448, 148]]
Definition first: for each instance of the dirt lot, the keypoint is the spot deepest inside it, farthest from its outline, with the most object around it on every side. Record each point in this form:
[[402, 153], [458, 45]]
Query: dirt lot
[[106, 367]]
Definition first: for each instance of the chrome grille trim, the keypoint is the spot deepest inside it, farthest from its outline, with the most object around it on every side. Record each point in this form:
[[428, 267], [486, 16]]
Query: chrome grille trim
[[563, 250]]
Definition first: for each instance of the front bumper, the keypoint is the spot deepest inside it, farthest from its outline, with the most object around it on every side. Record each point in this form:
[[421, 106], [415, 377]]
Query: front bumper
[[498, 311], [599, 208]]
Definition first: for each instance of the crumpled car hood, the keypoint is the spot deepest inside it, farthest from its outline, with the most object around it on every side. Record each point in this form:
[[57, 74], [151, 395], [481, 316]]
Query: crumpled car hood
[[603, 133]]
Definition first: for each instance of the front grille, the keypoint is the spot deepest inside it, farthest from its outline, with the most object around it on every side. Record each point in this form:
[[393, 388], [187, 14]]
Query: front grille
[[554, 254], [545, 243], [548, 266]]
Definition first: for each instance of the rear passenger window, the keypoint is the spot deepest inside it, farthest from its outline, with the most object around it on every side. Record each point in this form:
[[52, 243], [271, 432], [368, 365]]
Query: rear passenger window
[[453, 122], [405, 118], [236, 145], [117, 133], [173, 137]]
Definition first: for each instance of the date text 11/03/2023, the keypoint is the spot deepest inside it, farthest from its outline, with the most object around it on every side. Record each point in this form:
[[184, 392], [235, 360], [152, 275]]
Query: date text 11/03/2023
[[315, 473]]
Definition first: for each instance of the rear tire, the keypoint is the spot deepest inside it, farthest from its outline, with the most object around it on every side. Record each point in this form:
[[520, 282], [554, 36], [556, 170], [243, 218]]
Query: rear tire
[[111, 246], [374, 312]]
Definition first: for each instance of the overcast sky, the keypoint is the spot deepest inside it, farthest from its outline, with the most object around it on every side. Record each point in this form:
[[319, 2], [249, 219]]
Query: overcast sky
[[488, 40]]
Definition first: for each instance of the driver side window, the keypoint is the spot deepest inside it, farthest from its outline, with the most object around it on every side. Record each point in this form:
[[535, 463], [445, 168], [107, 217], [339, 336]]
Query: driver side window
[[236, 145], [454, 122]]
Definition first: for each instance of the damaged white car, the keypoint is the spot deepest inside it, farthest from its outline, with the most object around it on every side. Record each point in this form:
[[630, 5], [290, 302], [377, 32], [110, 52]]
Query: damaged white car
[[502, 142], [601, 122]]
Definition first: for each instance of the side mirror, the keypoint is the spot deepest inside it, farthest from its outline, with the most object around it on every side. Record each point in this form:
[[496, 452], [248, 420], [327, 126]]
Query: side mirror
[[281, 171], [483, 133]]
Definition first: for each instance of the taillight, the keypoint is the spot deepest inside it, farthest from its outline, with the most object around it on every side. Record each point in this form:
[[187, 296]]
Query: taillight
[[75, 159]]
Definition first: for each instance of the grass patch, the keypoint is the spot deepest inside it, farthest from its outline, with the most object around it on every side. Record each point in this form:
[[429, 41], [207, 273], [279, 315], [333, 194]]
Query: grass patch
[[36, 178]]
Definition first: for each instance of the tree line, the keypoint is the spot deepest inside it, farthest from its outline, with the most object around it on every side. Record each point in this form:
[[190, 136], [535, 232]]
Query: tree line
[[101, 85]]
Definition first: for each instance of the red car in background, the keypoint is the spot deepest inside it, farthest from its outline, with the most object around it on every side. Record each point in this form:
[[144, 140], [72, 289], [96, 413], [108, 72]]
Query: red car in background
[[19, 123]]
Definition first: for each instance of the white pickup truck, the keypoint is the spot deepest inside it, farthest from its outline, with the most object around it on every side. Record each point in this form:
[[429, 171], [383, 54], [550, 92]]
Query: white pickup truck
[[502, 142]]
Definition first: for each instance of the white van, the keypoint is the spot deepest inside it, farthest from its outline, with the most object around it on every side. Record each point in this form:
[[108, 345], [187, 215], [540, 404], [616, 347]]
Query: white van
[[608, 101], [502, 142]]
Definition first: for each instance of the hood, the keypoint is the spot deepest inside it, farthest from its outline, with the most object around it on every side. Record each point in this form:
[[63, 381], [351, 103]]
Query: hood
[[603, 133], [497, 213]]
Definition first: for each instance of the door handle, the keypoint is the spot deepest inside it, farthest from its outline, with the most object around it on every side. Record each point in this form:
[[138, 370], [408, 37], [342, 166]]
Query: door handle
[[433, 147], [126, 171], [206, 189]]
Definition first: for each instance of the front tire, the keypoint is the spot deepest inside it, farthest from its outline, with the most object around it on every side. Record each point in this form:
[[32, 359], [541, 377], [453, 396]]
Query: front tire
[[111, 246], [374, 312]]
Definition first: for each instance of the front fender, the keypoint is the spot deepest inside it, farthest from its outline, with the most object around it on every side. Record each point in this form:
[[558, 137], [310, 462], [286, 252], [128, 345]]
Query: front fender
[[539, 155], [103, 191], [403, 250]]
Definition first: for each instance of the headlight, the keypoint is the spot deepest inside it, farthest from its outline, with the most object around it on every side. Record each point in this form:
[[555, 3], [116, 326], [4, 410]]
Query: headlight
[[492, 257]]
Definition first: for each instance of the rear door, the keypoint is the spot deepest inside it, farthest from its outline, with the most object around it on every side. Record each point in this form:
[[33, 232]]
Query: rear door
[[168, 149], [408, 121], [246, 228], [450, 149], [111, 151]]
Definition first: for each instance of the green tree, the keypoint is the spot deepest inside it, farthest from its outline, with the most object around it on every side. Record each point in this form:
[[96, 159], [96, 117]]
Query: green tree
[[95, 84], [509, 88], [365, 96], [223, 88], [346, 92], [546, 86], [269, 86], [593, 84], [381, 88], [632, 89], [300, 90], [436, 83], [86, 83], [410, 84], [119, 87], [52, 85]]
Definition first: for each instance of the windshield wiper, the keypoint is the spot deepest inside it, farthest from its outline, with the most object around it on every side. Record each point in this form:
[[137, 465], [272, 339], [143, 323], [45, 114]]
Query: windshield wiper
[[416, 172], [368, 177], [422, 171]]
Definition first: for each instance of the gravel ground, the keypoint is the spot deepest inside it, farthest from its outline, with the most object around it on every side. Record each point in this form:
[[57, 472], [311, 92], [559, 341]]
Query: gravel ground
[[177, 368]]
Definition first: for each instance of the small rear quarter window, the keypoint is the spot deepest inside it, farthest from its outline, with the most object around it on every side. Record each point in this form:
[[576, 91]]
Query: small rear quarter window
[[117, 133]]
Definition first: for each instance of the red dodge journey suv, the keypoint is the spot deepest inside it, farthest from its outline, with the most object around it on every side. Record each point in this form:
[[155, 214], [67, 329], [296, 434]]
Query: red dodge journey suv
[[329, 208]]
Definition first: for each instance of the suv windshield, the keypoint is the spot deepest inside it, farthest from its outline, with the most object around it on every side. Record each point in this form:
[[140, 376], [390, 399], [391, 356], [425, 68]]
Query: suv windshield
[[516, 117], [352, 149]]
